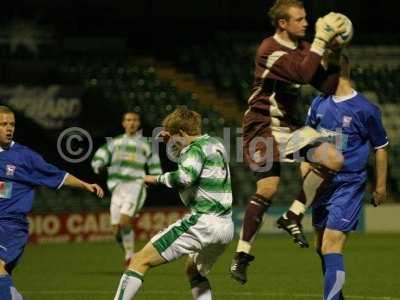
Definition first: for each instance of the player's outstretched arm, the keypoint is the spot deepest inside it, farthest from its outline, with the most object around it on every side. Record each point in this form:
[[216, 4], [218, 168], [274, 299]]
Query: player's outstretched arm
[[381, 165], [72, 181]]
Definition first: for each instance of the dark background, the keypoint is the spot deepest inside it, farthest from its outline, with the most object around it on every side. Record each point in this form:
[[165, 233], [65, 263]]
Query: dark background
[[145, 20], [152, 28]]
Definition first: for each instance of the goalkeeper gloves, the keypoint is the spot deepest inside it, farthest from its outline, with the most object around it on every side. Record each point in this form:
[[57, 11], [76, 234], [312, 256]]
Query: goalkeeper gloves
[[326, 29]]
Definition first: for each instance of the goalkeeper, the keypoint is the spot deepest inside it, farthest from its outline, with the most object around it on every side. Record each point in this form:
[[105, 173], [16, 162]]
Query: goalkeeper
[[272, 133]]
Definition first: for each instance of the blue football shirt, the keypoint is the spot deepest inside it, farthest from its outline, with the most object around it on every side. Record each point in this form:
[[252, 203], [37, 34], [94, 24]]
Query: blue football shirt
[[353, 123], [21, 170]]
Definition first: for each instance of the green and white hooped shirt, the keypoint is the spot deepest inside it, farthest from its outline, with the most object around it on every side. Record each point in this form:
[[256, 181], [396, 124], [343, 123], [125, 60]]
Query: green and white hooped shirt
[[126, 158], [203, 177]]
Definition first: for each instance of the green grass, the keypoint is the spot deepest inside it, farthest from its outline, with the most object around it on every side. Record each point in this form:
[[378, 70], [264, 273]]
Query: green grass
[[280, 271]]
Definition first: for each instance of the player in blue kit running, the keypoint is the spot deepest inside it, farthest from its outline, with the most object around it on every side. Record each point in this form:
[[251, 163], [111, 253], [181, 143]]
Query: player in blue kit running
[[21, 170], [355, 125]]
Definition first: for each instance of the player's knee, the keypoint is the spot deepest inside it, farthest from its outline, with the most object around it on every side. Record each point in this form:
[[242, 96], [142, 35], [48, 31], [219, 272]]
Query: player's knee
[[125, 222], [328, 249], [267, 190], [140, 261], [336, 160], [328, 156], [331, 245]]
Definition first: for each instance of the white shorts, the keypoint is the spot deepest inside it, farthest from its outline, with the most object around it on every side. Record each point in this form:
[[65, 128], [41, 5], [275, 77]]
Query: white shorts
[[128, 199], [203, 237]]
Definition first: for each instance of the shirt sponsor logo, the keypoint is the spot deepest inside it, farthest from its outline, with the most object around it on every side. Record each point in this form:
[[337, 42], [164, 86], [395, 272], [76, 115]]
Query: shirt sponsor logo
[[5, 189], [10, 170], [346, 121]]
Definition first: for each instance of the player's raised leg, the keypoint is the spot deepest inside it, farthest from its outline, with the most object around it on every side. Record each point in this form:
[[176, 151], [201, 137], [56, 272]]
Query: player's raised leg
[[132, 279], [326, 161], [253, 219]]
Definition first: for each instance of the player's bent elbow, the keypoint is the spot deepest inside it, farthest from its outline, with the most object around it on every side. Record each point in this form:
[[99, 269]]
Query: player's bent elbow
[[186, 183]]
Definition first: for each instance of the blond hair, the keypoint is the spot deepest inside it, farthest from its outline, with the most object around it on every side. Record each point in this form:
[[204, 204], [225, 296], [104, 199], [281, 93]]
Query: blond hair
[[5, 110], [183, 119], [280, 10]]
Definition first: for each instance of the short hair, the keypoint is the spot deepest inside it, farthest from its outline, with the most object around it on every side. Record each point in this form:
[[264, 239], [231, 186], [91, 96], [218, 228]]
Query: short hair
[[184, 119], [5, 110], [130, 112], [280, 10]]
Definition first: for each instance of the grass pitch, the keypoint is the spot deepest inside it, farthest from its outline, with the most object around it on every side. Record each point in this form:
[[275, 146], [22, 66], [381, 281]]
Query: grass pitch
[[281, 271]]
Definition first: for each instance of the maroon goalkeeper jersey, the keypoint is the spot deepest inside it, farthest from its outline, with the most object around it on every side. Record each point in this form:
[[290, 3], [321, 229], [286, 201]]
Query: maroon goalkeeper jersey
[[280, 69]]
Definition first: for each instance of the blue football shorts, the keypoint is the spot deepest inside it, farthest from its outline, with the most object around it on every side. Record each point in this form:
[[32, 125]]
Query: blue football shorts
[[13, 238], [339, 206]]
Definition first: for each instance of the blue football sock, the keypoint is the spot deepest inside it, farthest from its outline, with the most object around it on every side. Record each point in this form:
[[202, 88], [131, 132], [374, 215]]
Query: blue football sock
[[321, 256], [334, 276], [5, 287]]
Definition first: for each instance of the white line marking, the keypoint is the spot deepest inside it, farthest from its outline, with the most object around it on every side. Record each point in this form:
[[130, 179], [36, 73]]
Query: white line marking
[[244, 294]]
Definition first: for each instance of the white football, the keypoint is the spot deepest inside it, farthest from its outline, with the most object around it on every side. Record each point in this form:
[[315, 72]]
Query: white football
[[345, 37]]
